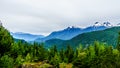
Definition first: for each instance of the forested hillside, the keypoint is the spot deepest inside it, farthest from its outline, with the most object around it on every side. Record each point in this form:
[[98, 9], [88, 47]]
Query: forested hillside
[[24, 55], [108, 36]]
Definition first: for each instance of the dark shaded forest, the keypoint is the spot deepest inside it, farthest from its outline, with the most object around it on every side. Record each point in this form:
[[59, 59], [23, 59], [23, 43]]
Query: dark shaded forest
[[24, 55]]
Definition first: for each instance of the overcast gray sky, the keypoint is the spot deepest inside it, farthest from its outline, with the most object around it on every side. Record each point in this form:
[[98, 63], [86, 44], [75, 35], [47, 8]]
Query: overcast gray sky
[[45, 16]]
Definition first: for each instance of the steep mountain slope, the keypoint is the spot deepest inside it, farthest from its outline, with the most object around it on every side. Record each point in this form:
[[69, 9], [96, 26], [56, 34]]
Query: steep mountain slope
[[106, 36], [65, 34], [26, 36], [21, 40], [56, 42], [71, 32]]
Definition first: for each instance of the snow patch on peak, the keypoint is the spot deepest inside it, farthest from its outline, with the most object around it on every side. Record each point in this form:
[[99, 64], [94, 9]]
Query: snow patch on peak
[[71, 27], [97, 24], [107, 24]]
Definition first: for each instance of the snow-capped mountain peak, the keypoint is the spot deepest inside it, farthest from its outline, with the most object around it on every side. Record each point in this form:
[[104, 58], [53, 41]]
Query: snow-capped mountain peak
[[71, 27], [97, 24], [107, 24]]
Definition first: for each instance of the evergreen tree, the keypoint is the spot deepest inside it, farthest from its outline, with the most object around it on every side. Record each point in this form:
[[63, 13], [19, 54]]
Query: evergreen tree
[[69, 53], [96, 47], [19, 60], [52, 52], [118, 42], [6, 40], [62, 54], [6, 62], [42, 53], [28, 58], [55, 60]]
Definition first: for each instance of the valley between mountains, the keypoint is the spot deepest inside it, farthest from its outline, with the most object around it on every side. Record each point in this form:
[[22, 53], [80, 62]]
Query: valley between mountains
[[75, 36]]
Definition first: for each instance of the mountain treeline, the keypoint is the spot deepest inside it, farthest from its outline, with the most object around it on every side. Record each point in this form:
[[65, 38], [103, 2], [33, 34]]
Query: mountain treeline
[[24, 55], [108, 36]]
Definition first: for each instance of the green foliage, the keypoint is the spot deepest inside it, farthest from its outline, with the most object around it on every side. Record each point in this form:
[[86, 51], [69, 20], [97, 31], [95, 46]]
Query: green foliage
[[108, 36], [6, 62], [5, 40], [118, 42], [28, 58], [55, 60], [42, 53], [69, 53], [96, 55], [19, 60]]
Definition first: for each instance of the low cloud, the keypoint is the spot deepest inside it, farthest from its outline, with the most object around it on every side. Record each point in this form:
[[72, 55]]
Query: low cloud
[[45, 16]]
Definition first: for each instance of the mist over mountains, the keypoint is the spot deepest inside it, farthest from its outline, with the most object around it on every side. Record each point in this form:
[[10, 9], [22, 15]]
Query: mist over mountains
[[64, 34], [25, 36], [74, 35]]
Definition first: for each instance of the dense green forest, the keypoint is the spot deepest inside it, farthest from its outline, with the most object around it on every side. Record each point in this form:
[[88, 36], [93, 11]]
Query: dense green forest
[[24, 55]]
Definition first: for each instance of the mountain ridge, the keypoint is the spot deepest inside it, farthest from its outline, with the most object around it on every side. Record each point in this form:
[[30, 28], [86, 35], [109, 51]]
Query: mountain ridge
[[25, 36], [109, 36], [70, 32]]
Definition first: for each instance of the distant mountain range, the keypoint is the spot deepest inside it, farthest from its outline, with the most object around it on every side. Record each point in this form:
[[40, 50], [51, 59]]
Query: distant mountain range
[[74, 36], [25, 36], [65, 34], [108, 36], [71, 32]]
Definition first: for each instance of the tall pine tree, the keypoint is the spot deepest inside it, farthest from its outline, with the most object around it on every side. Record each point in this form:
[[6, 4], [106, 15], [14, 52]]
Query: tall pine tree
[[6, 40], [118, 42]]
